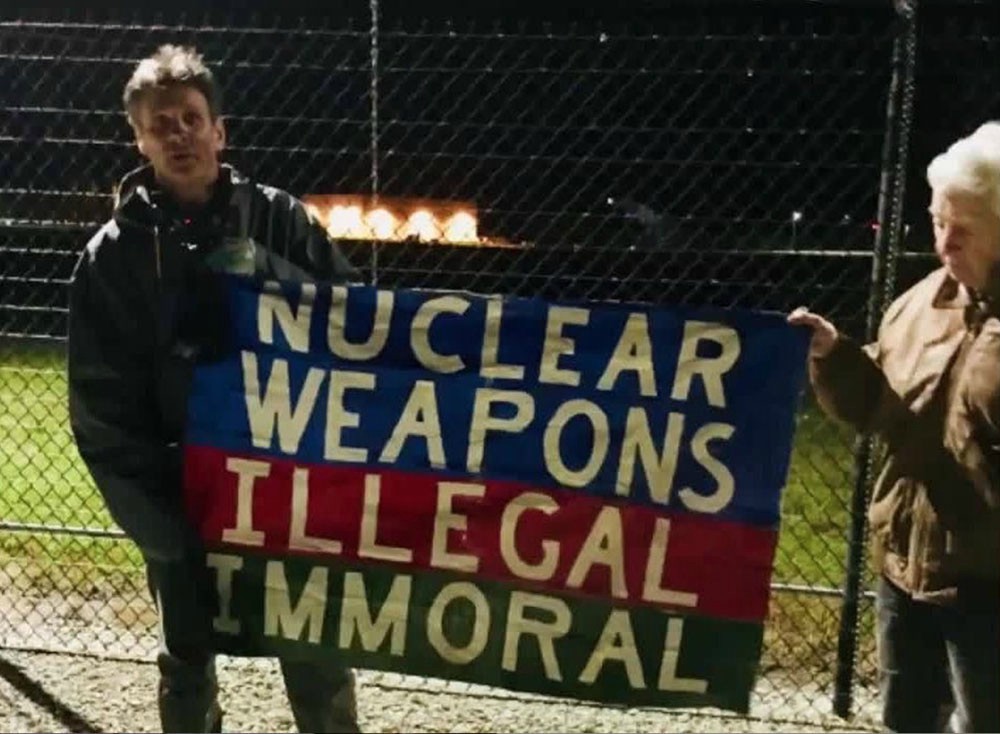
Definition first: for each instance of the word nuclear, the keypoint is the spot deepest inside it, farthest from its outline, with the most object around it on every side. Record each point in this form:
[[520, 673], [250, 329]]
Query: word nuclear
[[633, 351]]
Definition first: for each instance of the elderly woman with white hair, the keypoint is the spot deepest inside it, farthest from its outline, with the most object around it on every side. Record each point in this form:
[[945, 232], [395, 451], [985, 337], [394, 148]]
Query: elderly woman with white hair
[[929, 388]]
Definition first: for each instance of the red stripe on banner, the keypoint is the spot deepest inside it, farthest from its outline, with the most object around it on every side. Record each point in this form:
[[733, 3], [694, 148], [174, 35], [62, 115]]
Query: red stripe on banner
[[557, 540]]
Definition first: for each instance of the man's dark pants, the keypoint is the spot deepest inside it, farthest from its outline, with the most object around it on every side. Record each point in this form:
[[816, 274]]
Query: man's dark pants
[[321, 695]]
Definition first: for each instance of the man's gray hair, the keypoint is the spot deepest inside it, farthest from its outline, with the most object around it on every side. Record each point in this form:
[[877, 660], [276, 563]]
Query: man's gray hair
[[971, 165], [171, 65]]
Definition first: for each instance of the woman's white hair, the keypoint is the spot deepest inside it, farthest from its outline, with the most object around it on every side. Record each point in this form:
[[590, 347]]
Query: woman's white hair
[[971, 165]]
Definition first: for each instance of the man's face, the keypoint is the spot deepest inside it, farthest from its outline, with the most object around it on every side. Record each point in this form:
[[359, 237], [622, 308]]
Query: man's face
[[966, 236], [175, 131]]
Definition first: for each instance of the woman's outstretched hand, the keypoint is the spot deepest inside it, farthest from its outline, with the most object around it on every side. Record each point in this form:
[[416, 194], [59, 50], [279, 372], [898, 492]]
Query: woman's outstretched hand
[[824, 334]]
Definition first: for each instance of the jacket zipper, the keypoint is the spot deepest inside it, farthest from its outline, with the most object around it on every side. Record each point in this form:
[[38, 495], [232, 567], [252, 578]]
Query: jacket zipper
[[158, 301], [156, 245]]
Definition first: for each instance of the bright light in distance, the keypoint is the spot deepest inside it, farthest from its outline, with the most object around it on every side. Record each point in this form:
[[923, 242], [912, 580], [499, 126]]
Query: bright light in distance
[[381, 224], [422, 225], [398, 220], [346, 221], [460, 227]]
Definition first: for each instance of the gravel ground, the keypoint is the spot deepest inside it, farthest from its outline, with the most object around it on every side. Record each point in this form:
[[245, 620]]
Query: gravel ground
[[90, 680], [63, 693]]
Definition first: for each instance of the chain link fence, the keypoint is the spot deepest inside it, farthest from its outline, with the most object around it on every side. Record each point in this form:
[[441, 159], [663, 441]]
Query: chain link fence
[[694, 153]]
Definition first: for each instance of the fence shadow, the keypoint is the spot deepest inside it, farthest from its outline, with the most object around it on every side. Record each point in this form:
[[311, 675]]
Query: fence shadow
[[36, 693]]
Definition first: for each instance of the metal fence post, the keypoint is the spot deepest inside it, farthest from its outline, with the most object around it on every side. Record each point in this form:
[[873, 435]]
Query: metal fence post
[[661, 156], [374, 31], [892, 189]]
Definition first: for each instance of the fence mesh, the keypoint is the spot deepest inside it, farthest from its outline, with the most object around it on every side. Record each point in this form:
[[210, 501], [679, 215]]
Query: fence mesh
[[692, 154]]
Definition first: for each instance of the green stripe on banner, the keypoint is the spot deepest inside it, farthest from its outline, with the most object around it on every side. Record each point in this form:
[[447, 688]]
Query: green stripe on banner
[[448, 626]]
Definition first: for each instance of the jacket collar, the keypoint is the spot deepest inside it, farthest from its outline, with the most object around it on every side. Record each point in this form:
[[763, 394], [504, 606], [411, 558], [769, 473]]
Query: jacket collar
[[139, 200], [977, 306], [950, 293]]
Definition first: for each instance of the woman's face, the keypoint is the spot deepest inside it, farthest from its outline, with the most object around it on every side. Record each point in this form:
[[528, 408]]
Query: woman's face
[[966, 236]]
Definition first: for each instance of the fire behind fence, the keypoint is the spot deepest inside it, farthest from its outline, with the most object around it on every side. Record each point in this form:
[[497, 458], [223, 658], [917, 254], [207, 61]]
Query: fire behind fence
[[697, 153]]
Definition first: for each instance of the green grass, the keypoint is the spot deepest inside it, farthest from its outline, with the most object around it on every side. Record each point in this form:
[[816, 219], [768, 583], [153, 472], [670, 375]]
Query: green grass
[[815, 509], [44, 482]]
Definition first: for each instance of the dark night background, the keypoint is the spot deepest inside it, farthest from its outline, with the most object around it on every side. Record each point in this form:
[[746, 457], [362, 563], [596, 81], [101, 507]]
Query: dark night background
[[709, 123], [712, 121]]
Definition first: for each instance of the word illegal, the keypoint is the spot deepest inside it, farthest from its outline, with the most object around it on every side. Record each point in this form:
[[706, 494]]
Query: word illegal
[[613, 542]]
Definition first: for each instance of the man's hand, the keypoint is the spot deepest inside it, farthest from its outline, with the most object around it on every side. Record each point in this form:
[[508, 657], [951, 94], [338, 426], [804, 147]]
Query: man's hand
[[824, 334]]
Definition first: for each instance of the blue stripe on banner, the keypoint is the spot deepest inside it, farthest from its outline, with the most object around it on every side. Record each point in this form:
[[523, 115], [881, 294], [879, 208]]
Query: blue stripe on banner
[[534, 431]]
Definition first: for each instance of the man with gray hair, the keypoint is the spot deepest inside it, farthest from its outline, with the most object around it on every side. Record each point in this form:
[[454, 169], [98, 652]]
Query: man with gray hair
[[146, 307], [929, 387]]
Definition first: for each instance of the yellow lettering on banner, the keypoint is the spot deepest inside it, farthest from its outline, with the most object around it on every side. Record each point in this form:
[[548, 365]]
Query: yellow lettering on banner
[[652, 589], [356, 615], [604, 545], [449, 652], [420, 334], [225, 566], [558, 344], [336, 328], [552, 441], [669, 680], [491, 368], [248, 471], [617, 642], [275, 405], [659, 467], [634, 352], [710, 369], [338, 417], [368, 546], [483, 420], [419, 418], [281, 618], [545, 569], [297, 537], [272, 307], [725, 484], [545, 632], [446, 520]]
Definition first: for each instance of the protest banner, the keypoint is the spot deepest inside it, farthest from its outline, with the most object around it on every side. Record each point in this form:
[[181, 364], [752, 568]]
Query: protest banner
[[579, 500]]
